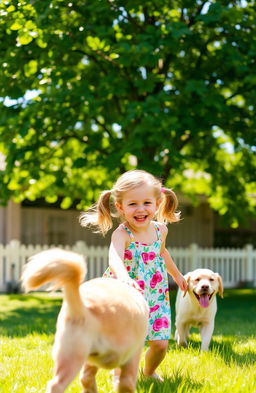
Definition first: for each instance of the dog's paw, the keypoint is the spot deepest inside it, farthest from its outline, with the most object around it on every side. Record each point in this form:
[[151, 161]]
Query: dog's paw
[[181, 343]]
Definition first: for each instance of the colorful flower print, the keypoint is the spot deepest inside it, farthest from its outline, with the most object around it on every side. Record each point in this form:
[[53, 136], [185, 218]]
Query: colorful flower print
[[167, 297], [151, 255], [128, 255], [144, 256], [160, 323], [148, 256], [141, 284], [156, 278], [154, 308], [165, 322]]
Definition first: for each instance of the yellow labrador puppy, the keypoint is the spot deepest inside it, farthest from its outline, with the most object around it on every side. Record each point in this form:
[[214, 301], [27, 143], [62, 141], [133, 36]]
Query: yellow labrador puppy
[[102, 323], [198, 306]]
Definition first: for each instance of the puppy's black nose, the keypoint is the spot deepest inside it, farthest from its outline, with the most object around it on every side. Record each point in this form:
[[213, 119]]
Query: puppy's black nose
[[205, 287]]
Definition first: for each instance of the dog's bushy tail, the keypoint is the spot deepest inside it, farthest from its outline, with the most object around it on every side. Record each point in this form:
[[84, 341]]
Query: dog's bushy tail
[[61, 268]]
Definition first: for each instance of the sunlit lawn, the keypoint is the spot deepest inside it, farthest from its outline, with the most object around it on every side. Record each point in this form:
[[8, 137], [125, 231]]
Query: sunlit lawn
[[27, 325]]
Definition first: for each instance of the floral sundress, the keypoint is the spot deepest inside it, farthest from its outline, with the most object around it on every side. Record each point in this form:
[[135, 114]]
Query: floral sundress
[[145, 265]]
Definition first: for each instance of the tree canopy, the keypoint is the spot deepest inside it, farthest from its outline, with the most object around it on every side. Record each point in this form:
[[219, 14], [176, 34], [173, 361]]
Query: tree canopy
[[90, 89]]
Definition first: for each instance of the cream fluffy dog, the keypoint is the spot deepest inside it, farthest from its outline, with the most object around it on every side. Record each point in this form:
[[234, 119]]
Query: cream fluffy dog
[[102, 323], [198, 306]]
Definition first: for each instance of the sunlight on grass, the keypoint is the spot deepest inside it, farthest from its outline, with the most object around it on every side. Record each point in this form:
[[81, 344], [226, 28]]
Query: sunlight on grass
[[243, 348], [27, 325], [26, 363]]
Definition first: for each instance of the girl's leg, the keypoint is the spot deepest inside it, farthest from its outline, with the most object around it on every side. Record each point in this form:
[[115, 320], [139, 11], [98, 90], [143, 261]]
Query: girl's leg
[[154, 356]]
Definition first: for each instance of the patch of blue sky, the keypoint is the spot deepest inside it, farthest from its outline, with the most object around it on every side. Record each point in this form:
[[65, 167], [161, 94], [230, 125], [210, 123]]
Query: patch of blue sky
[[29, 95], [206, 6], [227, 146]]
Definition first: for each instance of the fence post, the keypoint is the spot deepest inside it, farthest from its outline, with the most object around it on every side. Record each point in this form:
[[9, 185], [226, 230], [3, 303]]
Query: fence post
[[249, 263], [12, 267], [80, 247], [193, 256], [13, 273]]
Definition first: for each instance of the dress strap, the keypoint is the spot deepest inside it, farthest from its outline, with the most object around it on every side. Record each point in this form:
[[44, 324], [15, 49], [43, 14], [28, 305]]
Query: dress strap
[[128, 231], [157, 228]]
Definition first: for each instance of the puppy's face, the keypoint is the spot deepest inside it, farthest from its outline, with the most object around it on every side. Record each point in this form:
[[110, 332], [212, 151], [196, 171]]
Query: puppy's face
[[203, 284]]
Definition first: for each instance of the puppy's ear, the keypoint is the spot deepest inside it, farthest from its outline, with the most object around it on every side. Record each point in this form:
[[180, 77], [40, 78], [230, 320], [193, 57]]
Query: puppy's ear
[[220, 291], [187, 277]]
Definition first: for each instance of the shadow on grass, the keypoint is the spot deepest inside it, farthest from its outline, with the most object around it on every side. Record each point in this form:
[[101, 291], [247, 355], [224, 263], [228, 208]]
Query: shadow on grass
[[29, 314], [170, 384], [224, 349], [230, 356]]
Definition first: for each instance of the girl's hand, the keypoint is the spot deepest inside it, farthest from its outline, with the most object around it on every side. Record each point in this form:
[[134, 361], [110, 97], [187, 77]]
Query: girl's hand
[[181, 282]]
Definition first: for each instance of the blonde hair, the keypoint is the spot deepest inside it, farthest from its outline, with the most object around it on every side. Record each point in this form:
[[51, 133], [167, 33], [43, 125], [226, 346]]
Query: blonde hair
[[100, 215]]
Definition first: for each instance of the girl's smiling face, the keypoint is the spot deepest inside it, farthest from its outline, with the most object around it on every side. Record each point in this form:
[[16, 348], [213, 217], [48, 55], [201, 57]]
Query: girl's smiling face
[[138, 206]]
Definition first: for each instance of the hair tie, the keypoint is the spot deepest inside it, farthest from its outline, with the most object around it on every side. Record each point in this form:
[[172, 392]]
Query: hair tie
[[163, 189]]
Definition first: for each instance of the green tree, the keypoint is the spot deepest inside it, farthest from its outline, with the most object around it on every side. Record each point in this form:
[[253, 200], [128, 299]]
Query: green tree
[[168, 86]]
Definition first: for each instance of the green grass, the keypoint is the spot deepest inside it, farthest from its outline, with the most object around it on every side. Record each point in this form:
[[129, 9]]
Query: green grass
[[27, 325]]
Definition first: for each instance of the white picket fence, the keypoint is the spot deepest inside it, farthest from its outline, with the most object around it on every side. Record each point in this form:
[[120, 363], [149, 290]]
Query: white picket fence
[[236, 266]]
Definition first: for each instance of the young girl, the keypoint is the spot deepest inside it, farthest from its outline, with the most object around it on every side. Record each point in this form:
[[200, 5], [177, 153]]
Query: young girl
[[137, 253]]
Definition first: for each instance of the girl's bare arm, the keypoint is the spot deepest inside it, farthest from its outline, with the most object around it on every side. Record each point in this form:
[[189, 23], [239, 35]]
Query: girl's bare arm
[[116, 255]]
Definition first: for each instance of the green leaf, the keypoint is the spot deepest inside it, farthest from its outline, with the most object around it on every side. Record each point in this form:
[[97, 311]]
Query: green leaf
[[30, 68], [11, 8], [66, 203], [41, 43], [16, 26], [24, 38]]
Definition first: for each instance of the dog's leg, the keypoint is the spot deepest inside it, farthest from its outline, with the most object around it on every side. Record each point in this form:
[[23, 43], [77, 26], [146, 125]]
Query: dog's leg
[[206, 332], [87, 378], [181, 334], [128, 375], [69, 354], [65, 371]]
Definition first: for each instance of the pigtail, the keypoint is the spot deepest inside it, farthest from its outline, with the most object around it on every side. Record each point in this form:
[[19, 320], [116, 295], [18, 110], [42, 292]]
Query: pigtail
[[99, 216], [167, 209], [104, 212]]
